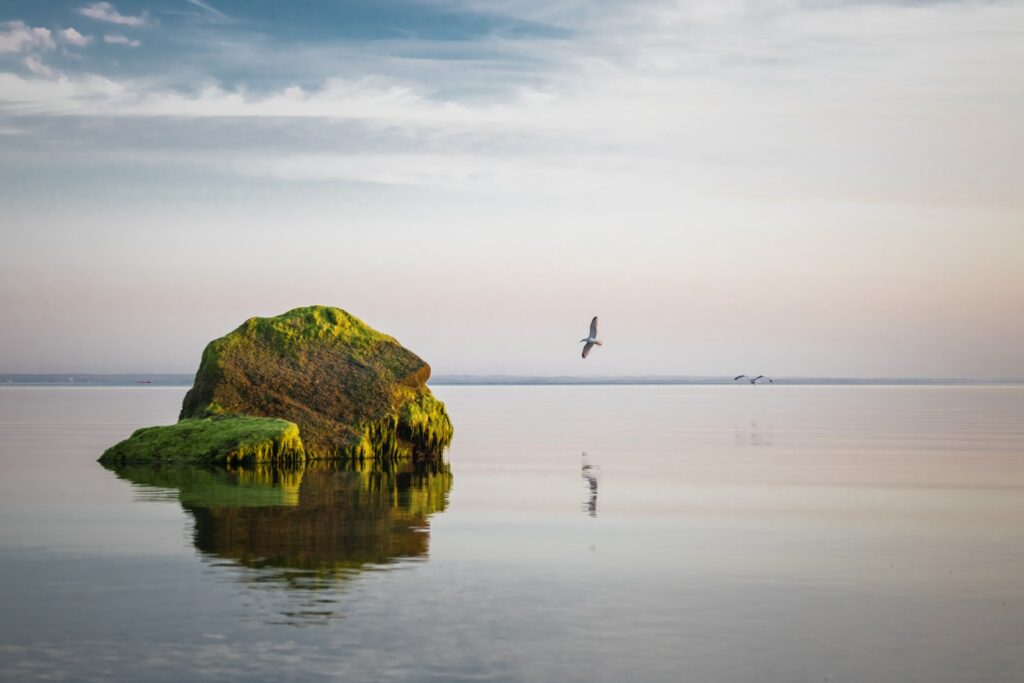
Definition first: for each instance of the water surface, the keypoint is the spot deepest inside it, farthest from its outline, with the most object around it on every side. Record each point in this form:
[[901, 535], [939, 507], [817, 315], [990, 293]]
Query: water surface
[[607, 533]]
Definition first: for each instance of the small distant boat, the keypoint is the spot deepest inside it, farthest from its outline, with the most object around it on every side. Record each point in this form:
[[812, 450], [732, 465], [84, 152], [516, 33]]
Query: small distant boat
[[143, 381]]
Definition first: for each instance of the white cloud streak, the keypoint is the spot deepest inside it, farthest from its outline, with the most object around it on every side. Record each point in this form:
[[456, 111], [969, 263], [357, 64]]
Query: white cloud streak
[[104, 11], [118, 39], [212, 11], [369, 99]]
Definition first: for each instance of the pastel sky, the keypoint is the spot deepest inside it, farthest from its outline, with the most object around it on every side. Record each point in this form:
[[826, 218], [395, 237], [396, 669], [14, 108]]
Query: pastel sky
[[819, 188]]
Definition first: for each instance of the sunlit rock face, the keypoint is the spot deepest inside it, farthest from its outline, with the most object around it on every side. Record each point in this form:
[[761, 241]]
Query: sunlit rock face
[[352, 391]]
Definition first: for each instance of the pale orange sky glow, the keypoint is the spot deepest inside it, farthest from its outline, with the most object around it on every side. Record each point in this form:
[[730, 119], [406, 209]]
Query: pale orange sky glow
[[790, 188]]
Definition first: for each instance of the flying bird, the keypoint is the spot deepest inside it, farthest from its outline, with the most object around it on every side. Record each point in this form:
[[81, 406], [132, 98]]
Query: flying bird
[[753, 380], [588, 342]]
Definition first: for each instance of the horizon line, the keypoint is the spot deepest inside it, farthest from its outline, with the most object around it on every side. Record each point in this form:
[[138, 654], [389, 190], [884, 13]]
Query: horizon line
[[487, 379]]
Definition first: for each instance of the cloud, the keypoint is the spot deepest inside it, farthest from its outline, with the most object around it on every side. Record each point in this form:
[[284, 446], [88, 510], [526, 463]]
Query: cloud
[[531, 171], [70, 35], [18, 37], [361, 99], [788, 103], [104, 11], [117, 39], [37, 67], [213, 11], [31, 95]]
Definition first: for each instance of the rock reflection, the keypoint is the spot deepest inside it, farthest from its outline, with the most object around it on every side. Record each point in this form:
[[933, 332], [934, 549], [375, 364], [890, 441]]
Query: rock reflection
[[304, 527]]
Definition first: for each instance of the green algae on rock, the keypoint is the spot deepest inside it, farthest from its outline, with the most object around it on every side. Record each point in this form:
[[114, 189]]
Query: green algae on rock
[[353, 391], [220, 440]]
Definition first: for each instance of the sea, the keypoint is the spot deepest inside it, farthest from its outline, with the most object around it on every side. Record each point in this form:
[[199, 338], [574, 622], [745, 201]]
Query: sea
[[614, 533]]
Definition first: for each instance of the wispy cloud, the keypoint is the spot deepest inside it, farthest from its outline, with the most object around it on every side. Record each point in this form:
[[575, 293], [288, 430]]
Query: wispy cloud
[[104, 11], [73, 37], [17, 36], [209, 9], [365, 99], [37, 67], [118, 39]]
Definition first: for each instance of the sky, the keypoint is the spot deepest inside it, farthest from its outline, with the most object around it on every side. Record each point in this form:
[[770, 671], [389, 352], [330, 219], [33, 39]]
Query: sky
[[791, 188]]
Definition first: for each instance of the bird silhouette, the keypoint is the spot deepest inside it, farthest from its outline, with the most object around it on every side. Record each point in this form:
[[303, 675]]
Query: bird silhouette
[[753, 380]]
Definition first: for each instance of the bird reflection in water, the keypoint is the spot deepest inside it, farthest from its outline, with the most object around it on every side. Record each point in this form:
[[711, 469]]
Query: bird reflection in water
[[754, 435], [589, 473], [304, 528]]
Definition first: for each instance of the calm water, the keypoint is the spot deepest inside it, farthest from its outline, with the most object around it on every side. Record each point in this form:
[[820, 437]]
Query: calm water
[[697, 533]]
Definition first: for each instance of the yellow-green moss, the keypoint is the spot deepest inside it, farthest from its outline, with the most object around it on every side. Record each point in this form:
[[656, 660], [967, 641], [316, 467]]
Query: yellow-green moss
[[222, 440], [418, 426]]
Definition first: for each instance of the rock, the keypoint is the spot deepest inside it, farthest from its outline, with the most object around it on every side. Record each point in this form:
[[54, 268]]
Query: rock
[[222, 440], [313, 383], [353, 391]]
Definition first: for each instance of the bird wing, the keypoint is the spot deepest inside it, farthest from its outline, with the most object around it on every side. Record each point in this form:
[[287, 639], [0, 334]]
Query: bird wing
[[738, 377], [757, 378], [769, 380], [587, 347], [593, 328]]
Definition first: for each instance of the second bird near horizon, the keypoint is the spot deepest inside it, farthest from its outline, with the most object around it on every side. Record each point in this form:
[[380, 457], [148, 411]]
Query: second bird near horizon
[[753, 380], [591, 339]]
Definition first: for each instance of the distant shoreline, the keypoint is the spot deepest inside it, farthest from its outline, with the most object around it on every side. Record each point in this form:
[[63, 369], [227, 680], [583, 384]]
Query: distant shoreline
[[185, 380]]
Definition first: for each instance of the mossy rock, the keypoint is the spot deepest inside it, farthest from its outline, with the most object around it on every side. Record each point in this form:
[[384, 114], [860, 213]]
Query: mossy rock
[[352, 391], [222, 440]]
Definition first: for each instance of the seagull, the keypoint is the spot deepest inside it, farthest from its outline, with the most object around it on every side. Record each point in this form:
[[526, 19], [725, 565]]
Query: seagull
[[753, 380], [592, 339]]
